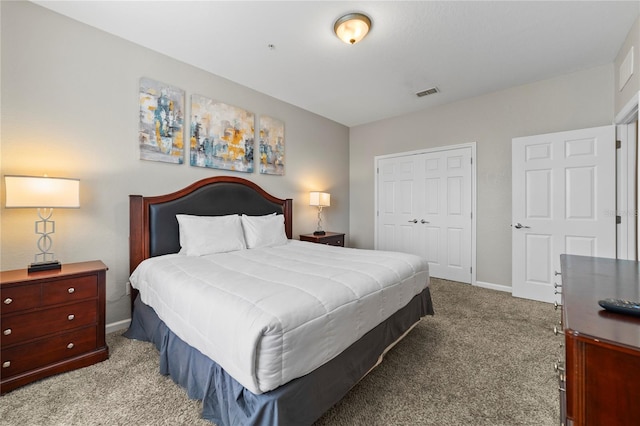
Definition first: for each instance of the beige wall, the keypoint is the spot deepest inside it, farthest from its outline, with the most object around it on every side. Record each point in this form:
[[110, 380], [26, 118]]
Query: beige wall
[[579, 100], [632, 87], [70, 109]]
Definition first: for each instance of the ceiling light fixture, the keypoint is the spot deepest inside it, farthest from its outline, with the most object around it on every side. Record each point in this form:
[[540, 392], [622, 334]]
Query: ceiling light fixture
[[352, 27]]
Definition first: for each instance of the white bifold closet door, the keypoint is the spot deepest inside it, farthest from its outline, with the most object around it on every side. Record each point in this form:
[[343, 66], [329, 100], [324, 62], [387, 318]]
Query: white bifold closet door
[[424, 206]]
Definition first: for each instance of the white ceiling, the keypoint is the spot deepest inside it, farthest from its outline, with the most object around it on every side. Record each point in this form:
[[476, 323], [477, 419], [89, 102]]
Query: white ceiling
[[464, 48]]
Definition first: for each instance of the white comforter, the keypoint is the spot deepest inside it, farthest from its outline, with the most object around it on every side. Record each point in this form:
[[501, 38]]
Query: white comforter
[[270, 315]]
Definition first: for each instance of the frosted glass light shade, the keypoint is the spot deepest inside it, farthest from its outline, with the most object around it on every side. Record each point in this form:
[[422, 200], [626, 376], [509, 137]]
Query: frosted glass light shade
[[42, 192], [352, 28]]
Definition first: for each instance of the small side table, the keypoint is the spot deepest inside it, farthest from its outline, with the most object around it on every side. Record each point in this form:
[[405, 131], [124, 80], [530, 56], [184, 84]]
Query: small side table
[[329, 238]]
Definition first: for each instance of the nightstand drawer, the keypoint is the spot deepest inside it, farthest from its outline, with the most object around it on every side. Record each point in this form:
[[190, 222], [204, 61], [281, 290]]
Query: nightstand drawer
[[43, 352], [19, 298], [69, 290], [20, 328], [337, 240]]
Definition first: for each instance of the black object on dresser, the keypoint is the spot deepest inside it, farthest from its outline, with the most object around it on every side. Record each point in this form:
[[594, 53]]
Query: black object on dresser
[[329, 238], [51, 321]]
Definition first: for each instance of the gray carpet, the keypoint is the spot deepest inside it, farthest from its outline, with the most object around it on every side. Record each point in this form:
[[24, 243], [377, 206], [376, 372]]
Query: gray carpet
[[485, 358]]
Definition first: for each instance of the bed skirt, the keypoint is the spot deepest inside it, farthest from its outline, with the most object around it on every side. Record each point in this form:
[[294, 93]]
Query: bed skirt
[[299, 402]]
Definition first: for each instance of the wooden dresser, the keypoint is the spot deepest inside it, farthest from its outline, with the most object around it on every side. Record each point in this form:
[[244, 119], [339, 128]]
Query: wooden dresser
[[602, 349], [51, 322]]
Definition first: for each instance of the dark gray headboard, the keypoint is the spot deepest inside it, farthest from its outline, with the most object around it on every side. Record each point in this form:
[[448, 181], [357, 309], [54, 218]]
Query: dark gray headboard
[[154, 227]]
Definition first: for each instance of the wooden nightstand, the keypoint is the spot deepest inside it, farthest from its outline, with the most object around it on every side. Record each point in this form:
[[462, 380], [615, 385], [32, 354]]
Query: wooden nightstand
[[329, 238], [51, 321]]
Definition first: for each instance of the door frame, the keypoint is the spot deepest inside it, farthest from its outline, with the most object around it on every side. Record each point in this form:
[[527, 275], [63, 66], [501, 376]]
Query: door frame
[[474, 167], [628, 180]]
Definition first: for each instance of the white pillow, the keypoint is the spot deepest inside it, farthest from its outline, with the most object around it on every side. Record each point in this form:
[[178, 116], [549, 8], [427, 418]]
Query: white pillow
[[264, 231], [200, 235]]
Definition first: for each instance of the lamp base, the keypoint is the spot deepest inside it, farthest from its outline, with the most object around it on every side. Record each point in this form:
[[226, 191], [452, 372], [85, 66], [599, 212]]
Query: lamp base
[[44, 266], [319, 233]]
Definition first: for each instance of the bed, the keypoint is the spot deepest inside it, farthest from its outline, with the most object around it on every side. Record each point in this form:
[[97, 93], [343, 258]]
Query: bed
[[272, 332]]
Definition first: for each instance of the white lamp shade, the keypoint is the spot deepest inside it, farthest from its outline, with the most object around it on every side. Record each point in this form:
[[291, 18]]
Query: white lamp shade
[[45, 192], [320, 199]]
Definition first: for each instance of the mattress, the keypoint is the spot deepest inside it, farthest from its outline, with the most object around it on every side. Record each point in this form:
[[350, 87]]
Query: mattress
[[270, 315]]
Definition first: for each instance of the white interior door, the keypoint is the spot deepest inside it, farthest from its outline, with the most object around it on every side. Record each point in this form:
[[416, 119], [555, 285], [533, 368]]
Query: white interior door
[[563, 201], [425, 207], [398, 205]]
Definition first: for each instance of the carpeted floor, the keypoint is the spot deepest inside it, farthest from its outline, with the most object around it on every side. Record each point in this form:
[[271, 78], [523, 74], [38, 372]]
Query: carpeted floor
[[485, 358]]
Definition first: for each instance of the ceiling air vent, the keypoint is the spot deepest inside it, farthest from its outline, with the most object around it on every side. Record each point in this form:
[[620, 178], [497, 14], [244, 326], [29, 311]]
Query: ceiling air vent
[[427, 92]]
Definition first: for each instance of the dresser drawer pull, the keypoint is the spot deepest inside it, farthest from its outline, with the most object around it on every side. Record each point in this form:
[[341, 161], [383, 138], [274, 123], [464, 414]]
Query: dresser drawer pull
[[6, 364], [71, 317], [8, 301], [71, 290], [7, 332], [70, 346]]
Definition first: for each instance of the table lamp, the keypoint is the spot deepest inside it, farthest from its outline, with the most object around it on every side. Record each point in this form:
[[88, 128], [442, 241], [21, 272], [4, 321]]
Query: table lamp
[[45, 194], [320, 200]]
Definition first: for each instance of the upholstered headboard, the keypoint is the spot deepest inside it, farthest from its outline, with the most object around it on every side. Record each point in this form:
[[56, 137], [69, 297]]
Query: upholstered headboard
[[153, 227]]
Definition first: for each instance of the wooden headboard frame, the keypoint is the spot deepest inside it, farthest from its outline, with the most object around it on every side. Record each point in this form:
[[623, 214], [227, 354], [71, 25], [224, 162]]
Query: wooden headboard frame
[[153, 227]]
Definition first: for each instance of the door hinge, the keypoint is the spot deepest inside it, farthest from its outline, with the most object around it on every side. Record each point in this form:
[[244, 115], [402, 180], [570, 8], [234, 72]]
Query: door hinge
[[618, 144], [618, 220], [471, 269], [378, 170], [471, 160]]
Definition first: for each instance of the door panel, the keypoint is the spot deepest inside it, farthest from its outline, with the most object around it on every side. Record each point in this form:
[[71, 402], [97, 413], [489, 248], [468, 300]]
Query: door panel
[[563, 191]]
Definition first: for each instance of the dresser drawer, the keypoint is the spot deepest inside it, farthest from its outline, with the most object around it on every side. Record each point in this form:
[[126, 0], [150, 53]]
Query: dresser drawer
[[69, 290], [20, 328], [46, 351], [19, 298]]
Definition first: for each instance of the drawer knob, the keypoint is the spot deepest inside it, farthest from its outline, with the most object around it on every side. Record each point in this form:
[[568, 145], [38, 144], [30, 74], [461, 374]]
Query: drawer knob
[[8, 301], [6, 364], [71, 290], [71, 317], [70, 346], [7, 332]]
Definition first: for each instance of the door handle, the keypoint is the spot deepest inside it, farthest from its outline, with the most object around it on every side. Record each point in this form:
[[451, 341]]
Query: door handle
[[520, 226], [413, 221], [424, 221]]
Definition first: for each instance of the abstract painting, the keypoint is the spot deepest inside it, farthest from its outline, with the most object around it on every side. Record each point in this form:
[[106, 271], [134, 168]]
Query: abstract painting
[[161, 136], [271, 146], [221, 135]]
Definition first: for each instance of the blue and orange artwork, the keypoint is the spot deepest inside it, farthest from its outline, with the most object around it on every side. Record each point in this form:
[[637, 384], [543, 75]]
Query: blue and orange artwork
[[222, 135], [161, 134], [271, 146]]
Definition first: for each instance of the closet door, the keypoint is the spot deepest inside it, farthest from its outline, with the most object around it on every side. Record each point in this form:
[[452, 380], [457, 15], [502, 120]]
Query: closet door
[[424, 207], [399, 205]]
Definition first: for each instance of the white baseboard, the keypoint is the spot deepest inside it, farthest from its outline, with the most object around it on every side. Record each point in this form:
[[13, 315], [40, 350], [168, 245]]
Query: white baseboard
[[491, 286], [116, 326]]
